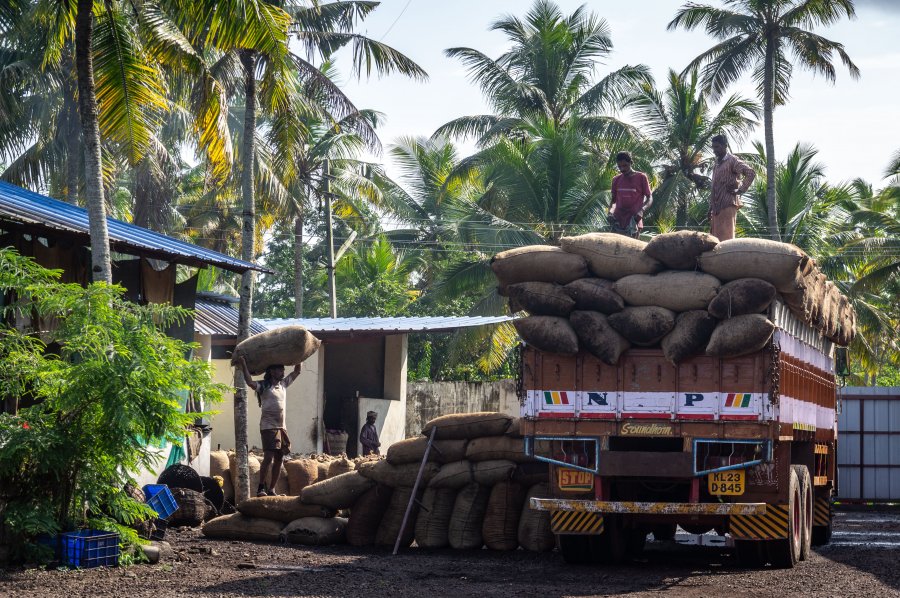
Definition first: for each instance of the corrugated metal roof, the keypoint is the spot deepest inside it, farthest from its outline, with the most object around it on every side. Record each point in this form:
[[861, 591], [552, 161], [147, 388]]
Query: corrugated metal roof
[[385, 325], [30, 208], [215, 316]]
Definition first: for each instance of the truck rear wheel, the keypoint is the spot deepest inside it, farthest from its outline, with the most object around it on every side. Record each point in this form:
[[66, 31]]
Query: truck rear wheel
[[750, 553], [784, 553], [806, 491], [576, 549]]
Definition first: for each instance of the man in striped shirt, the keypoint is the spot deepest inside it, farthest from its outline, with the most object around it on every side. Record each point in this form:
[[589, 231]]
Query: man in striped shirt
[[730, 179]]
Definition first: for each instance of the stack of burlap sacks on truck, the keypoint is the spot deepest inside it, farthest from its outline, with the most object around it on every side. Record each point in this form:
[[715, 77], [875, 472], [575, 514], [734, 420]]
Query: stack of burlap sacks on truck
[[473, 492], [685, 292]]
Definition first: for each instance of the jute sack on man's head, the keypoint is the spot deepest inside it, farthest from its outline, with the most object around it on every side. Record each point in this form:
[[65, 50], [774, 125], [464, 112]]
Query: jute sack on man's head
[[612, 256], [396, 476], [411, 450], [677, 291], [534, 526], [240, 527], [689, 337], [595, 294], [468, 517], [597, 337], [778, 263], [500, 529], [741, 297], [433, 523], [740, 335], [550, 334], [680, 250], [468, 425], [643, 326], [285, 346], [366, 514], [337, 493], [537, 263], [315, 531], [541, 298], [281, 508]]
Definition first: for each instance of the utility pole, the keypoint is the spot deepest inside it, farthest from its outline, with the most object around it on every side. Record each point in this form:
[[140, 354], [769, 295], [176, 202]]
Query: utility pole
[[329, 237]]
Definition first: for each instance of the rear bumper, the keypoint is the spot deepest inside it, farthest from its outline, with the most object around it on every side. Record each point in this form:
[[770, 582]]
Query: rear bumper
[[647, 508]]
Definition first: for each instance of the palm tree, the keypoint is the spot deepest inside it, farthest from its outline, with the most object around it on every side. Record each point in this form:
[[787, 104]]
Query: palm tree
[[756, 36], [679, 124], [547, 74]]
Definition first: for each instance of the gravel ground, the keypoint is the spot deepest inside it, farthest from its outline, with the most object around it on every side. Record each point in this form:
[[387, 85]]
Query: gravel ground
[[862, 561]]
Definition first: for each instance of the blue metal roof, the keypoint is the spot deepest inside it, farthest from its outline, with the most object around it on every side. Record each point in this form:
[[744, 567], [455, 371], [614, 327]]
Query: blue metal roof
[[385, 325], [26, 207], [217, 314]]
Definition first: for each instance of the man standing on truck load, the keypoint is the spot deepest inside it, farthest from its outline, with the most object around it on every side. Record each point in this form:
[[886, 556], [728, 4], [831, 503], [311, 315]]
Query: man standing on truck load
[[368, 436], [730, 179], [630, 197]]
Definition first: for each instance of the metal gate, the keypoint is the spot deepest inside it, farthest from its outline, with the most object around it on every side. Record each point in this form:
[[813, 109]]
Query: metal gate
[[869, 444]]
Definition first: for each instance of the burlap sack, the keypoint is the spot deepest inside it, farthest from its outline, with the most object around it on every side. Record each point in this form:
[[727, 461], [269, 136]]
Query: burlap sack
[[281, 508], [643, 326], [488, 473], [689, 337], [778, 263], [366, 514], [397, 476], [597, 337], [433, 522], [300, 474], [741, 297], [337, 493], [315, 531], [468, 517], [389, 528], [220, 465], [339, 466], [240, 527], [542, 298], [529, 474], [595, 294], [534, 526], [457, 426], [282, 486], [538, 263], [454, 475], [254, 467], [411, 450], [515, 428], [322, 468], [740, 335], [497, 447], [550, 334], [500, 529], [612, 256], [679, 250], [677, 291], [285, 346]]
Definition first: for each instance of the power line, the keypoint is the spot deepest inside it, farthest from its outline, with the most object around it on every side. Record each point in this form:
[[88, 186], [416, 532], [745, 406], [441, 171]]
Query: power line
[[408, 2]]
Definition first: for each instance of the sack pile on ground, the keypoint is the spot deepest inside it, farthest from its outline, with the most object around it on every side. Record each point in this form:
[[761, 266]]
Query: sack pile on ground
[[473, 492], [685, 292]]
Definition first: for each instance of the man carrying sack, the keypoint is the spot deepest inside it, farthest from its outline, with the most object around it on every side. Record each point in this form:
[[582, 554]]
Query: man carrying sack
[[730, 179]]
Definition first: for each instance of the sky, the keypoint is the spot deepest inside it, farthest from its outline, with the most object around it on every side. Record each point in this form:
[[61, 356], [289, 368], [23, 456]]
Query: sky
[[855, 124]]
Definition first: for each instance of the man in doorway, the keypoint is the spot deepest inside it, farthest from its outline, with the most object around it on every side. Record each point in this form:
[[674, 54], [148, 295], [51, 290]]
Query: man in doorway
[[368, 436], [730, 179], [630, 197]]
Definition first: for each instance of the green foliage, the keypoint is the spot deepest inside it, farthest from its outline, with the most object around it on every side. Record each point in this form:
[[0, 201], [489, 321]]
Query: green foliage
[[94, 382]]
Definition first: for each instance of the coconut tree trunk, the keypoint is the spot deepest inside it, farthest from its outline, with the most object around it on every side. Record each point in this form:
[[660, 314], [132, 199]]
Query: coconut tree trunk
[[768, 109], [248, 233], [101, 269], [298, 265], [73, 149]]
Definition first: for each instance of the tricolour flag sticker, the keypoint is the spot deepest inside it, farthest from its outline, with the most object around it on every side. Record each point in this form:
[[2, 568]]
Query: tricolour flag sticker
[[738, 400], [556, 397]]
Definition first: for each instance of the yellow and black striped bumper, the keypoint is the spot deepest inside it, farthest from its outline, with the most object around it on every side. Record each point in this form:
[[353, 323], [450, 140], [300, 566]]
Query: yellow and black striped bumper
[[822, 512], [576, 522], [647, 508], [773, 525]]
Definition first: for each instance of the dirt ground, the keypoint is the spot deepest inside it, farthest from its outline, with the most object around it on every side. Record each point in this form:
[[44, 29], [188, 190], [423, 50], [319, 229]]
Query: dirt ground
[[863, 560]]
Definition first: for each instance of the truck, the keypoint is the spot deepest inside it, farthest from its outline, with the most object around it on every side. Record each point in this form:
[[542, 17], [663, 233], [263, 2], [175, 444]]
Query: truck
[[745, 446]]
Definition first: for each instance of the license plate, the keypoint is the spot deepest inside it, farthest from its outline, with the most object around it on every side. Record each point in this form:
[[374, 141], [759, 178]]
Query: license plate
[[572, 480], [727, 483]]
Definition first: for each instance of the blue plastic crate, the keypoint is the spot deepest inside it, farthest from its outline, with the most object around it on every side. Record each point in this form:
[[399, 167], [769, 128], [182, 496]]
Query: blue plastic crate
[[160, 499], [89, 548]]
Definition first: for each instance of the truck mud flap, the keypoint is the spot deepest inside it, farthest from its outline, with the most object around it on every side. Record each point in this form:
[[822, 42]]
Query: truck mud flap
[[576, 522], [771, 526]]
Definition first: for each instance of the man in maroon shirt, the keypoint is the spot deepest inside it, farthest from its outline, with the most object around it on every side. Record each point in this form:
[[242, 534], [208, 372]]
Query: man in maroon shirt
[[630, 197]]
